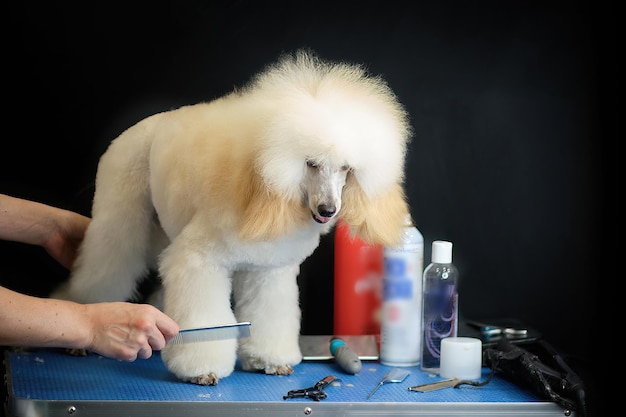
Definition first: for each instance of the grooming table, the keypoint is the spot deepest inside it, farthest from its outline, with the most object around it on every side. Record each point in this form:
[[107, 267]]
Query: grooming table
[[50, 382]]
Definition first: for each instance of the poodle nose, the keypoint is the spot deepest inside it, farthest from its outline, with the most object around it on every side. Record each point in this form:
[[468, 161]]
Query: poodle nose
[[326, 211]]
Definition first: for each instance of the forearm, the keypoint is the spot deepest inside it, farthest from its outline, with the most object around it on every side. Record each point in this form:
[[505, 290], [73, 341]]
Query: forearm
[[117, 329], [25, 221], [121, 330], [57, 230], [41, 322]]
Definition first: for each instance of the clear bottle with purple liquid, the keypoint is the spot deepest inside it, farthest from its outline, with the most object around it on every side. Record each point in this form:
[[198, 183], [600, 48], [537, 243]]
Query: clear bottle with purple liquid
[[440, 307]]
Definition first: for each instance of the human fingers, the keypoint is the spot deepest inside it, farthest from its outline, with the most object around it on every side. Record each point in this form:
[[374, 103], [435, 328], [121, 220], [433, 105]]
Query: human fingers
[[133, 348], [144, 352], [156, 340], [168, 328], [158, 328], [146, 334]]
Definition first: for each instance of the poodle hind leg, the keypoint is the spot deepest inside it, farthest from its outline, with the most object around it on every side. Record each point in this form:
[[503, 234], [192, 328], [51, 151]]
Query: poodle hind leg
[[111, 260], [114, 253], [269, 300]]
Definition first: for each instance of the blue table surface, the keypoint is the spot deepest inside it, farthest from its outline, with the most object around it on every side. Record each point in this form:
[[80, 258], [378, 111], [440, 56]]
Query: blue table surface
[[48, 374]]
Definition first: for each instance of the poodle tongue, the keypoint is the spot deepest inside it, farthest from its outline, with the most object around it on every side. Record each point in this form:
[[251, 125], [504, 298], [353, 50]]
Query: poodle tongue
[[321, 219]]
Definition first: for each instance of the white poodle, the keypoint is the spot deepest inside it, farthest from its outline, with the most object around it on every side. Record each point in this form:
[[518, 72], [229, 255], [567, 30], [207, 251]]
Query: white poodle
[[229, 197]]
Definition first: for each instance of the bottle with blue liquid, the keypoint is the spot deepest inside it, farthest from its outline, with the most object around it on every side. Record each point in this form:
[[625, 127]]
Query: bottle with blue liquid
[[440, 304]]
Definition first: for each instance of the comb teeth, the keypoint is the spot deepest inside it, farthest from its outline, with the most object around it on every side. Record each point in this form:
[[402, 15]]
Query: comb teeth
[[207, 334]]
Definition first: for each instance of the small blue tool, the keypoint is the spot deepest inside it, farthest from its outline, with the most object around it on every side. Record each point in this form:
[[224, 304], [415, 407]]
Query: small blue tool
[[344, 356]]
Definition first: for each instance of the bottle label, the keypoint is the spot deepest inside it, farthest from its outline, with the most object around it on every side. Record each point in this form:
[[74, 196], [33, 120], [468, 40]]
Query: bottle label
[[397, 289], [396, 284], [440, 321]]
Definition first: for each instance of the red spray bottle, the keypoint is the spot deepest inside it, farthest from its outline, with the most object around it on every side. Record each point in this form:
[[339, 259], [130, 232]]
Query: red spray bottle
[[358, 276]]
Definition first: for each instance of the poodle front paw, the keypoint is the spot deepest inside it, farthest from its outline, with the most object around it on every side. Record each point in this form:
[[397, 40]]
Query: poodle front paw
[[270, 355], [252, 364], [279, 370], [207, 379], [201, 363]]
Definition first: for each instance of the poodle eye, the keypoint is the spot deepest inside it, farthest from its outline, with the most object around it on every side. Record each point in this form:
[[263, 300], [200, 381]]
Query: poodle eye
[[311, 164], [346, 167]]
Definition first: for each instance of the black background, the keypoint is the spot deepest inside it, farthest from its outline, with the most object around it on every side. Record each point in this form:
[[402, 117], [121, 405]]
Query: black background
[[509, 102]]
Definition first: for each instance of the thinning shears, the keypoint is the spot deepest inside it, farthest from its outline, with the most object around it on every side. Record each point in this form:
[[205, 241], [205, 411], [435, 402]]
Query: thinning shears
[[491, 330]]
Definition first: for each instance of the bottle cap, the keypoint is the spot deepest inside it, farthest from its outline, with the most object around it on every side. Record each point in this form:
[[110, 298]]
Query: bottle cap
[[442, 252]]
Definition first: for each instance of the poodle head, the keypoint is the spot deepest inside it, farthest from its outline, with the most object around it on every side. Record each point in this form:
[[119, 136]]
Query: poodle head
[[334, 144]]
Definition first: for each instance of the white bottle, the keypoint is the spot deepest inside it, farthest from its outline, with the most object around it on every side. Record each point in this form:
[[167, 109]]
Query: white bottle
[[401, 333], [440, 306]]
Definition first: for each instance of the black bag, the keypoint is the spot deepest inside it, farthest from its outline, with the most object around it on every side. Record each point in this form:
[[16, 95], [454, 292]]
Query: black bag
[[543, 371]]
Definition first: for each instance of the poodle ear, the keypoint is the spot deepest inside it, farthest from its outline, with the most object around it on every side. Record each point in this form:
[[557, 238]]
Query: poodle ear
[[380, 220], [266, 214]]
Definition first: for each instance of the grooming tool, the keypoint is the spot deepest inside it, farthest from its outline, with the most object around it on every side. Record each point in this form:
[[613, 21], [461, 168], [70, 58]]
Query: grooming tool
[[489, 330], [345, 357], [207, 334], [315, 348], [395, 375], [432, 386], [315, 392]]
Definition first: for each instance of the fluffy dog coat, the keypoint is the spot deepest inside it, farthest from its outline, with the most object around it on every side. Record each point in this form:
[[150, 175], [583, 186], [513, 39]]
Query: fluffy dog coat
[[227, 198]]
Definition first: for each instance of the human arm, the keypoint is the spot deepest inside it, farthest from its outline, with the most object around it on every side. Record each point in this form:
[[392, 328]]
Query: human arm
[[119, 330], [57, 230]]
